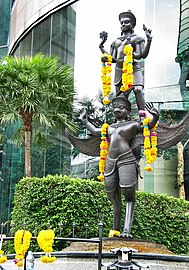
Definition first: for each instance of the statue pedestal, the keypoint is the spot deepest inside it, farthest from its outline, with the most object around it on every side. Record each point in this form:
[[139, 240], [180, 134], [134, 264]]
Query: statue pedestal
[[142, 246]]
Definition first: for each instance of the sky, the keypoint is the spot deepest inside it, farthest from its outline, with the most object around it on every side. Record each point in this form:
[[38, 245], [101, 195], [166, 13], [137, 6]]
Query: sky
[[93, 17]]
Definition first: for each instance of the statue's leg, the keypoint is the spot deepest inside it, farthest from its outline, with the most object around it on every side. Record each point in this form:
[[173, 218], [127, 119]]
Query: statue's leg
[[129, 195], [115, 197], [138, 90], [128, 175], [114, 194]]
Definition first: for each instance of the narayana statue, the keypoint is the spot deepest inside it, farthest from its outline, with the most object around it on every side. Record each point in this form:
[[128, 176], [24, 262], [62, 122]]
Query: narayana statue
[[140, 51]]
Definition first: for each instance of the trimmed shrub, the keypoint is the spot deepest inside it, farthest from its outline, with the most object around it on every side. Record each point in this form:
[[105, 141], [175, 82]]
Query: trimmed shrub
[[162, 219], [61, 199]]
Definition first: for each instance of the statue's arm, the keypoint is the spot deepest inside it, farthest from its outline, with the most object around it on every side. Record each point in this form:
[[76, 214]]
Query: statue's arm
[[142, 49], [103, 36], [90, 127], [154, 112], [146, 48], [113, 52], [155, 117]]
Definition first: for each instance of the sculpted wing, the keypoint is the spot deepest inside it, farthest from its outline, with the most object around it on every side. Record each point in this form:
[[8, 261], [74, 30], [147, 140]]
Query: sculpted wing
[[168, 135], [89, 146]]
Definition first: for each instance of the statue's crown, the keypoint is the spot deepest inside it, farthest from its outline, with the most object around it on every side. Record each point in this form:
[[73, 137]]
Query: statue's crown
[[128, 14]]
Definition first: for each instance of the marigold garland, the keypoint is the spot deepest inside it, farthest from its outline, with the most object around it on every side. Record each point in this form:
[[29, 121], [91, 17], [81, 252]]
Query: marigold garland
[[21, 245], [150, 143], [127, 69], [45, 240], [104, 145], [3, 258], [106, 77]]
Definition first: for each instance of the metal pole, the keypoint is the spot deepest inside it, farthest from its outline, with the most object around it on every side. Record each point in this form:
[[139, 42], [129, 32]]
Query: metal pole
[[73, 230], [25, 255], [100, 225], [86, 231]]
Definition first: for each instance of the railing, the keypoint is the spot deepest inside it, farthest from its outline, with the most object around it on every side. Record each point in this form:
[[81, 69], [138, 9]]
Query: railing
[[64, 239]]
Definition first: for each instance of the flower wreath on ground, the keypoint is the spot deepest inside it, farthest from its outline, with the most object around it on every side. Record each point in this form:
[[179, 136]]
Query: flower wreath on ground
[[21, 245], [45, 240]]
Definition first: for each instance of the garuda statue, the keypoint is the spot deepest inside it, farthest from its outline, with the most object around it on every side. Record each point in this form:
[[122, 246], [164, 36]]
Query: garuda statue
[[125, 139]]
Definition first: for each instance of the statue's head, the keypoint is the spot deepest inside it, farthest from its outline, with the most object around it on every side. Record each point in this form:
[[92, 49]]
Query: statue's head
[[121, 99], [121, 107], [130, 15]]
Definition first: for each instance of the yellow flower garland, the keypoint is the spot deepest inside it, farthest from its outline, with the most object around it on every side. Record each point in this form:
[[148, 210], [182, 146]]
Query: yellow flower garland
[[3, 258], [45, 240], [104, 145], [150, 144], [106, 77], [21, 245], [127, 75]]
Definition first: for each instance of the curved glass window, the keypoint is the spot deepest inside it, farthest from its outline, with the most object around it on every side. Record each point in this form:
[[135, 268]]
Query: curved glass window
[[53, 36]]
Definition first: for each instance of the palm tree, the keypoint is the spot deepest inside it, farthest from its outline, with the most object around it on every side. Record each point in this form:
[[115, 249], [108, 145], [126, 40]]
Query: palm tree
[[36, 91]]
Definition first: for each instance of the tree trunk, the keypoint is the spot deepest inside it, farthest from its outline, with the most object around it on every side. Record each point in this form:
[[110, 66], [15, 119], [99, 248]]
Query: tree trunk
[[27, 153], [180, 170], [27, 126]]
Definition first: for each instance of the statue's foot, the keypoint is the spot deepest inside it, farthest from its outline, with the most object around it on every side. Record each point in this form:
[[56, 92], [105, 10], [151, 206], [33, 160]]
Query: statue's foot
[[125, 234], [114, 233]]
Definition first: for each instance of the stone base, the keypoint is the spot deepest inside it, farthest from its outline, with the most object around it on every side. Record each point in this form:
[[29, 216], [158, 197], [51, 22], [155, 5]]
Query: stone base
[[141, 246]]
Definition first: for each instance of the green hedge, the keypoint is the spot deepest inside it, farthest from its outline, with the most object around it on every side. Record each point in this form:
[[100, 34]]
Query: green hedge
[[61, 199]]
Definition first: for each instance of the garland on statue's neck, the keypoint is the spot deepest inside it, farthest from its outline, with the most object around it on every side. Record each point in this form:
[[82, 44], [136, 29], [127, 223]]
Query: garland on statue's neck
[[45, 240], [150, 143], [104, 146], [21, 245], [127, 69], [106, 77]]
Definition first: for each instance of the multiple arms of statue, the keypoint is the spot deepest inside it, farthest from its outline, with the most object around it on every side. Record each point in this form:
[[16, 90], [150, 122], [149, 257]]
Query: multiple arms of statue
[[141, 50]]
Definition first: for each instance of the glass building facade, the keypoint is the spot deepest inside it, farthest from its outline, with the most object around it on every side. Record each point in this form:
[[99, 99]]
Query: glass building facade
[[5, 8], [162, 83], [53, 35]]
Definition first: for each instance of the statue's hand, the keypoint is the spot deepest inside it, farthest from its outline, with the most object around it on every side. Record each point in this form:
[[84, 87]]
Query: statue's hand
[[104, 59], [148, 32], [103, 36], [151, 109], [83, 116]]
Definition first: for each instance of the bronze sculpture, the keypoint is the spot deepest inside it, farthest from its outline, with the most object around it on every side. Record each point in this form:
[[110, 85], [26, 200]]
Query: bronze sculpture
[[125, 136], [121, 172], [140, 51]]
